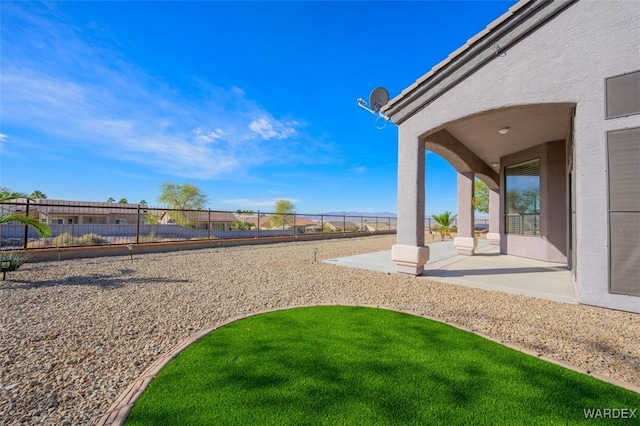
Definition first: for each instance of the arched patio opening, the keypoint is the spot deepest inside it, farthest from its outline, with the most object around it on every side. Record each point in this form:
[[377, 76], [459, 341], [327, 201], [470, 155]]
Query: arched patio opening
[[505, 148]]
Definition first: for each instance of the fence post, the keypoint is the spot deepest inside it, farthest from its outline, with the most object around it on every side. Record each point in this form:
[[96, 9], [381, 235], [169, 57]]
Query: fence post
[[294, 224], [209, 225], [138, 225], [344, 224], [26, 228], [258, 233], [321, 224]]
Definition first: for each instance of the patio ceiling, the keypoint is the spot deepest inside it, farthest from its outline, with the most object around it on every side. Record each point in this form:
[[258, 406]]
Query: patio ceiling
[[528, 126]]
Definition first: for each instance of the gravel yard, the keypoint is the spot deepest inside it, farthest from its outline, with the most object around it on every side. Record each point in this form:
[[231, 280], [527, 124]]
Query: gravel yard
[[75, 333]]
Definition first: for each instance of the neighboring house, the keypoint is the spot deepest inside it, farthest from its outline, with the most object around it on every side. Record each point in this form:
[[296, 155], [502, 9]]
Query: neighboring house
[[378, 226], [342, 226], [544, 107], [258, 222], [61, 212], [305, 225], [204, 219]]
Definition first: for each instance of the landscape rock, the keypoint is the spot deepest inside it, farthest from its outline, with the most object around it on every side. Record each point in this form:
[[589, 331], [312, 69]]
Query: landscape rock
[[76, 333]]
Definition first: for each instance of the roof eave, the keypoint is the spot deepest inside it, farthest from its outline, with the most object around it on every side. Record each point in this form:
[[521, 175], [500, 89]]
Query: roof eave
[[521, 19]]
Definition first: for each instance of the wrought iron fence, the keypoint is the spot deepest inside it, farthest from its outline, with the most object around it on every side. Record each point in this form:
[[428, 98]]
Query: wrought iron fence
[[90, 224], [480, 224]]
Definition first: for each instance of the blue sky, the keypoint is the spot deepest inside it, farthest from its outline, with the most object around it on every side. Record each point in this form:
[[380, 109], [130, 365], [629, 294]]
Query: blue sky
[[250, 101]]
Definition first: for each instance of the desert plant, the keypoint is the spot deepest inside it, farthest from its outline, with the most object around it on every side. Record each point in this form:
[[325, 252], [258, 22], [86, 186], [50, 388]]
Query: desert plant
[[17, 258], [445, 223], [65, 240], [239, 225], [152, 218], [92, 240], [149, 238], [284, 214], [38, 194], [481, 196], [183, 197], [7, 195]]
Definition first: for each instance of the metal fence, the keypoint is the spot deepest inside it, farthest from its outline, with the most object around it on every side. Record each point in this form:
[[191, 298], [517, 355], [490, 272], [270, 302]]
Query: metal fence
[[90, 224], [480, 224]]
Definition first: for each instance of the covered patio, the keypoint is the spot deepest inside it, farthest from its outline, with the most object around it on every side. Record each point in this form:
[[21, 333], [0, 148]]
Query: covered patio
[[542, 106], [488, 270]]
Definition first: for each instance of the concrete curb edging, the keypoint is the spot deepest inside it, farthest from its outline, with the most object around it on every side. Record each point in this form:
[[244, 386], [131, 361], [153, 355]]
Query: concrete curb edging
[[120, 409]]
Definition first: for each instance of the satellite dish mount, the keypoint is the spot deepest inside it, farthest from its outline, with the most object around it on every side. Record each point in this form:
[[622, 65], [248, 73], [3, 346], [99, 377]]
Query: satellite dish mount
[[377, 99]]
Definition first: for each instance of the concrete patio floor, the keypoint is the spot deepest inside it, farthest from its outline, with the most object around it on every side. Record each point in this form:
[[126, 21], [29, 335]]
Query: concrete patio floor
[[487, 269]]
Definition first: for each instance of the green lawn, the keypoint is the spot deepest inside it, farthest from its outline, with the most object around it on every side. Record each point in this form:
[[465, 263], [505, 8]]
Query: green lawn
[[359, 366]]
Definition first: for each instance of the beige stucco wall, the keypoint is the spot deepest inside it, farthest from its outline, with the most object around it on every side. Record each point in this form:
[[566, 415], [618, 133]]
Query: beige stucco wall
[[564, 61]]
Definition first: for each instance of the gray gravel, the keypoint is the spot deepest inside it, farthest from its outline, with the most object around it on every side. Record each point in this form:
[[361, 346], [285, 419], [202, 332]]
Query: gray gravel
[[76, 333]]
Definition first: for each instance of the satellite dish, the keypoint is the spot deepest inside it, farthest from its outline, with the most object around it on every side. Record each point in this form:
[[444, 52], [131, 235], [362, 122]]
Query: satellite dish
[[378, 98]]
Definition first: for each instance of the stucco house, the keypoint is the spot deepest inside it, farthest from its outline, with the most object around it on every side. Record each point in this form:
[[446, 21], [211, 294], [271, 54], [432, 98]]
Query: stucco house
[[304, 225], [63, 212], [341, 226], [202, 220], [544, 107], [378, 226]]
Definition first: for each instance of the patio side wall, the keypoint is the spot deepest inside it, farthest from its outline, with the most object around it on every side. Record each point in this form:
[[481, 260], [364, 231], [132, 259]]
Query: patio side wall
[[564, 61]]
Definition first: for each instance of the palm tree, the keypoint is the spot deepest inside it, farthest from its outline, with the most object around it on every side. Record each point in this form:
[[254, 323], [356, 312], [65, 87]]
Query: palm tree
[[7, 195], [37, 194], [445, 222]]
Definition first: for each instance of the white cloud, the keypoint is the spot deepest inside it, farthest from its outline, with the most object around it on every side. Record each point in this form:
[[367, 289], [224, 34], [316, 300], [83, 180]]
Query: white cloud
[[238, 91], [94, 100], [360, 170], [272, 129], [2, 137], [206, 135]]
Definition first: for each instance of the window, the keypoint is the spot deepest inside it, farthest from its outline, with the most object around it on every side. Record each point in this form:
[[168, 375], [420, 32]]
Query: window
[[43, 220], [522, 199], [70, 221], [121, 221], [57, 221]]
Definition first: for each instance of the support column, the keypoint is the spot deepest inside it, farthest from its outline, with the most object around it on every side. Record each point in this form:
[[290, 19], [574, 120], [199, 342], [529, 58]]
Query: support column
[[410, 253], [465, 242], [494, 217]]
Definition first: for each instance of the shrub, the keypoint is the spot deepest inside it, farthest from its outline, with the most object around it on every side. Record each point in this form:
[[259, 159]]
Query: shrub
[[92, 240], [149, 238], [64, 240], [17, 258]]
